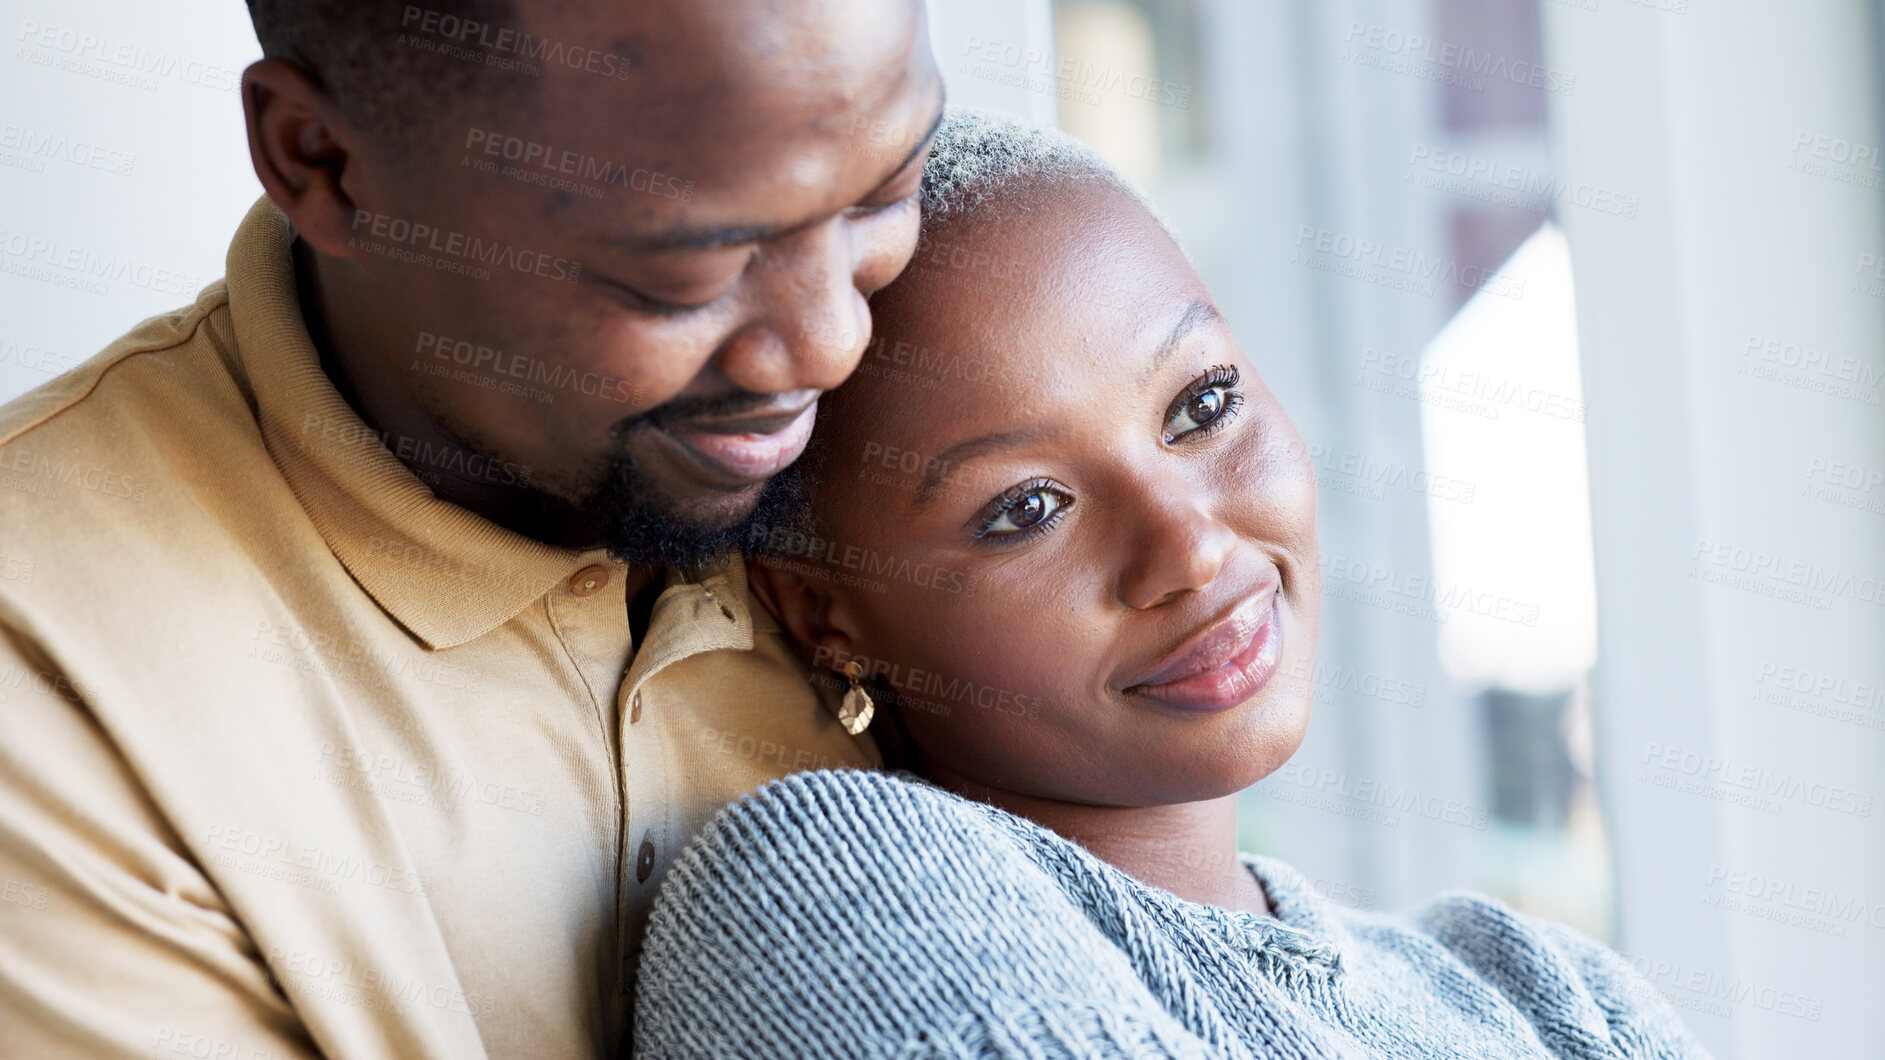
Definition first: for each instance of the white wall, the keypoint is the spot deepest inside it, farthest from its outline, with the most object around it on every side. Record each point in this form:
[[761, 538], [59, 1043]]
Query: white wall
[[1738, 502], [997, 54], [124, 170]]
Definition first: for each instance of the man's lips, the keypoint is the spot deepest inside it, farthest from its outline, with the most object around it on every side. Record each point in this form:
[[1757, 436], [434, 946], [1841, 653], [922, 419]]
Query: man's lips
[[742, 451], [1223, 664]]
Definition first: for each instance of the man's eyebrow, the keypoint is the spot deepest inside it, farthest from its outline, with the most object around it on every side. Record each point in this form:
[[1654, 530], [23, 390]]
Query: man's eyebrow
[[921, 145], [703, 238], [969, 449], [1197, 314], [715, 238]]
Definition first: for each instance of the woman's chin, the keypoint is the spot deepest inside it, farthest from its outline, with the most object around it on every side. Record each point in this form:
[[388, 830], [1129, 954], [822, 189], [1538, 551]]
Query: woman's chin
[[1261, 736], [1215, 770], [1217, 781], [1195, 758]]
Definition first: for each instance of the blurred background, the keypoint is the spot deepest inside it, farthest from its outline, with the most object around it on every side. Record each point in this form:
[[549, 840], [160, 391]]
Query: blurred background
[[1579, 304]]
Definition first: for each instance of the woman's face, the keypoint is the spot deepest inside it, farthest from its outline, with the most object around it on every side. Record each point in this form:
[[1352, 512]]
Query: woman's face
[[1071, 527]]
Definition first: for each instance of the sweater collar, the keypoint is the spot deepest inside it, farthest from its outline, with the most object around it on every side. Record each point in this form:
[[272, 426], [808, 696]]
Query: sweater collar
[[1303, 925], [1301, 937]]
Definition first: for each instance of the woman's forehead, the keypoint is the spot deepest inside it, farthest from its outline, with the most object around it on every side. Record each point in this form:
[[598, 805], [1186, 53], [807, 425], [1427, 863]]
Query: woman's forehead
[[1021, 317], [1069, 279]]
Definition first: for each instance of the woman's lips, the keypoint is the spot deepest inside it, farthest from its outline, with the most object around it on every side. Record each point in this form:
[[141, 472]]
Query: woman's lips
[[734, 457], [1225, 666]]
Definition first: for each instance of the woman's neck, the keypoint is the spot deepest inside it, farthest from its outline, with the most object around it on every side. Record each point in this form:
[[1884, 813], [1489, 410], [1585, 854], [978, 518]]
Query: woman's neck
[[1189, 849]]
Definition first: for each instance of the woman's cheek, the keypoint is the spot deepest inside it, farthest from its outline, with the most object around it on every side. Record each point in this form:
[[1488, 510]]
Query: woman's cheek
[[996, 664]]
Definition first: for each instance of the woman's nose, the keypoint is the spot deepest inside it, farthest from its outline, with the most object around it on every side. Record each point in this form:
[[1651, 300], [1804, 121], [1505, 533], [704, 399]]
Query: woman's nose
[[1181, 547]]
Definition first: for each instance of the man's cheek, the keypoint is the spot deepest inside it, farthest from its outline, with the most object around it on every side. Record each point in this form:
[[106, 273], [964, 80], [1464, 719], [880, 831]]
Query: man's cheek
[[652, 367]]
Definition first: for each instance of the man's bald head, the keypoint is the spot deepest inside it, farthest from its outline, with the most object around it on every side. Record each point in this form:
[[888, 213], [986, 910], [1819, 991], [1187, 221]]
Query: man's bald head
[[394, 69], [411, 75]]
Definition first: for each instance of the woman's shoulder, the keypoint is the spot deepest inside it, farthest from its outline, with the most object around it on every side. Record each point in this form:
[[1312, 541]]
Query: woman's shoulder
[[1564, 983], [1504, 945], [849, 807], [1477, 928], [887, 914], [875, 786], [859, 841]]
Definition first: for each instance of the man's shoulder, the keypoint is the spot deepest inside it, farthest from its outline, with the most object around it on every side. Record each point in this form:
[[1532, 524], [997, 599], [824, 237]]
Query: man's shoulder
[[125, 449], [126, 374]]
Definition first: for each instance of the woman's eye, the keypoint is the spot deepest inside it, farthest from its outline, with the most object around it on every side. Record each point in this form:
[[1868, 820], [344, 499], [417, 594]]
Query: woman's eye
[[1206, 405], [1029, 508]]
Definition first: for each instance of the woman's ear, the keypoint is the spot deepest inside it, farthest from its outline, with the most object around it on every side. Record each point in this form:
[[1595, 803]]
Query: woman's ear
[[810, 616], [825, 631]]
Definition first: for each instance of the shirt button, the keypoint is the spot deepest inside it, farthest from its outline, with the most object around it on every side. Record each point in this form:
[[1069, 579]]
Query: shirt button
[[589, 581], [634, 709], [645, 861]]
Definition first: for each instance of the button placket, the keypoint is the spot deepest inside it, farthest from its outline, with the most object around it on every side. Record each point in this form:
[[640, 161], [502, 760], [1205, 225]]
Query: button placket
[[589, 617], [694, 620]]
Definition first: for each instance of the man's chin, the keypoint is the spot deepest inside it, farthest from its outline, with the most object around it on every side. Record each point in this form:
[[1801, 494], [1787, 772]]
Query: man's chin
[[645, 526]]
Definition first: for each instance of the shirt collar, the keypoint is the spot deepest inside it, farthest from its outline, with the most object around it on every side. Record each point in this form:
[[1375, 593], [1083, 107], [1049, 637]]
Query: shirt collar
[[708, 609], [447, 574]]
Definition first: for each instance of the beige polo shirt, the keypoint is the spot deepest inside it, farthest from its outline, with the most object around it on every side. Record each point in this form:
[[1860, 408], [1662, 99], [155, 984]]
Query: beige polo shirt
[[298, 759]]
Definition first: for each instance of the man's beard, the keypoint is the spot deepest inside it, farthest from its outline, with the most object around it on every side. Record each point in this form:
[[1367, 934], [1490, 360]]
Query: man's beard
[[642, 528]]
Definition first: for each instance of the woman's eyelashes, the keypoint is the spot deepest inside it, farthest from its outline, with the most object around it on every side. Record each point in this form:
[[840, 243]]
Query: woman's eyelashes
[[1033, 507], [1205, 407], [1022, 512]]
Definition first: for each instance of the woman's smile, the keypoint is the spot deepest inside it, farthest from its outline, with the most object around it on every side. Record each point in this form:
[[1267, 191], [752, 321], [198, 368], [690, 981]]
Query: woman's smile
[[1223, 665]]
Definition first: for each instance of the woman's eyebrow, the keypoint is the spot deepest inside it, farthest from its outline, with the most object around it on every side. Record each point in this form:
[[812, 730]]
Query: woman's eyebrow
[[1197, 314], [939, 468]]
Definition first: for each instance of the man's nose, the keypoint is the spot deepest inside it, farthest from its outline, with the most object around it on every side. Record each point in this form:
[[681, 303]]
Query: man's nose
[[812, 324]]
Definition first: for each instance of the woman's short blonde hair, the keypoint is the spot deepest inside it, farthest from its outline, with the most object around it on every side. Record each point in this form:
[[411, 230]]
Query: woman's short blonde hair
[[980, 156]]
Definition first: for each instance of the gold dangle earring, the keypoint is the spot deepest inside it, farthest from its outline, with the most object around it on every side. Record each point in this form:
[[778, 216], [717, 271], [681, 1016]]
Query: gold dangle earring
[[856, 710]]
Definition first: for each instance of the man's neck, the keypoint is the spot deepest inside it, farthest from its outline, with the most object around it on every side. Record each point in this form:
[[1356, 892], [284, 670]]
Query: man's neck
[[368, 369], [1189, 849]]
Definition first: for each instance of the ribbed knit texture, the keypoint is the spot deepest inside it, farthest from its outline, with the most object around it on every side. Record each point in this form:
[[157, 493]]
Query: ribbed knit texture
[[850, 914]]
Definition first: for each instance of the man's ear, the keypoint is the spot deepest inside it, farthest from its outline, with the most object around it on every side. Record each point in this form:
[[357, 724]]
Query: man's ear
[[821, 624], [305, 154]]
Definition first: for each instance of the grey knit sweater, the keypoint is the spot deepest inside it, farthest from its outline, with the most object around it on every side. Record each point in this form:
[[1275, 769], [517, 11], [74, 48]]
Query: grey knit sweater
[[849, 914]]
